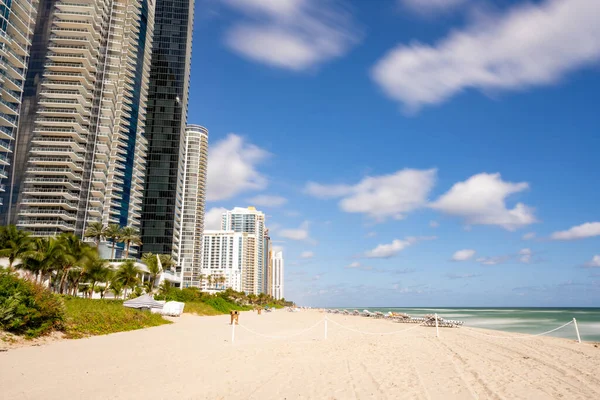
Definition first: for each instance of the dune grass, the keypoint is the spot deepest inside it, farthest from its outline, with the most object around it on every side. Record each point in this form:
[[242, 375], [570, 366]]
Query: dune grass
[[85, 317]]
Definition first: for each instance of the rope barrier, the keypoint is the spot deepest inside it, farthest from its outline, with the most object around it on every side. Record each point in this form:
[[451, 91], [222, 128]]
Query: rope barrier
[[519, 337]]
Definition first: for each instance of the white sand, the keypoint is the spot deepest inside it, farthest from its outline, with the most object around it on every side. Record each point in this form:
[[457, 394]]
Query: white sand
[[195, 359]]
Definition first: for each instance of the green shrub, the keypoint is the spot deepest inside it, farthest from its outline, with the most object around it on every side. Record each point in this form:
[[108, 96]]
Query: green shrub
[[222, 305], [28, 308], [85, 317]]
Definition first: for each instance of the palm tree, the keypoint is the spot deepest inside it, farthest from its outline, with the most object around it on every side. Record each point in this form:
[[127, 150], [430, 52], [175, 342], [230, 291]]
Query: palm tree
[[116, 287], [129, 236], [221, 279], [153, 268], [164, 288], [201, 278], [167, 261], [113, 232], [127, 274], [93, 271], [16, 245], [76, 253], [209, 281], [95, 231], [47, 256]]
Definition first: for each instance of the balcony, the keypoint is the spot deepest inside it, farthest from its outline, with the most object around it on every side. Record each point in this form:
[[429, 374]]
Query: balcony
[[42, 223], [68, 205], [58, 151], [67, 194], [76, 146], [77, 166], [67, 172], [53, 181], [50, 212]]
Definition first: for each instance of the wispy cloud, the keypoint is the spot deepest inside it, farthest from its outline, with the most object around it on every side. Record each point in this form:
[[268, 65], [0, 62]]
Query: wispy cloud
[[213, 217], [307, 254], [594, 263], [232, 169], [265, 200], [481, 200], [301, 233], [462, 276], [463, 255], [529, 45], [587, 230], [396, 246], [381, 197], [292, 34], [431, 6], [529, 236]]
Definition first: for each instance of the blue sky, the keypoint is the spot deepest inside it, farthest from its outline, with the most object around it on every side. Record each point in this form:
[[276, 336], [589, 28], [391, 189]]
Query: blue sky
[[409, 153]]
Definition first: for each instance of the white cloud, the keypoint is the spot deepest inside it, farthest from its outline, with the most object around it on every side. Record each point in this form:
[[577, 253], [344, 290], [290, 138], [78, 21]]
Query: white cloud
[[371, 234], [300, 233], [589, 229], [265, 200], [232, 168], [291, 34], [397, 245], [529, 45], [525, 255], [357, 265], [327, 191], [529, 236], [493, 260], [307, 254], [430, 6], [383, 196], [434, 224], [212, 218], [462, 276], [463, 255], [595, 263], [388, 250], [277, 249], [480, 200]]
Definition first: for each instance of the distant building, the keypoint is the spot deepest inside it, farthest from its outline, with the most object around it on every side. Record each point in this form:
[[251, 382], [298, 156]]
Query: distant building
[[227, 254], [189, 211], [250, 221], [278, 275]]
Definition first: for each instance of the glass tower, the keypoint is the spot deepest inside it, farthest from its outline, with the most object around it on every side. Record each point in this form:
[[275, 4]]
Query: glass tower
[[165, 125]]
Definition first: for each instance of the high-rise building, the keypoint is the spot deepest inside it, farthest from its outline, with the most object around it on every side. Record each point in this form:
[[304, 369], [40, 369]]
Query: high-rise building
[[17, 19], [189, 212], [166, 121], [81, 147], [249, 220], [266, 268], [278, 275], [227, 254]]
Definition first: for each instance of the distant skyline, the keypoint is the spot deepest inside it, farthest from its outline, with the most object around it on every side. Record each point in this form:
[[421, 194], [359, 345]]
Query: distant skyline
[[417, 153]]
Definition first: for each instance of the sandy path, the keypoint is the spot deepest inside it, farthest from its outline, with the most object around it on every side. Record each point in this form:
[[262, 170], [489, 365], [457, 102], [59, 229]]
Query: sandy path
[[195, 359]]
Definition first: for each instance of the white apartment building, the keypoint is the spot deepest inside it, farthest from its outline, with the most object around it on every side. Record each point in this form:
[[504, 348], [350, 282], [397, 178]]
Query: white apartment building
[[277, 275], [17, 21], [227, 254], [86, 154], [189, 212], [250, 221]]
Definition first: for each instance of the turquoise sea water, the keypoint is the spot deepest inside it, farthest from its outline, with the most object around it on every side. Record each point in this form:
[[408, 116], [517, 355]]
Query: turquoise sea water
[[523, 320]]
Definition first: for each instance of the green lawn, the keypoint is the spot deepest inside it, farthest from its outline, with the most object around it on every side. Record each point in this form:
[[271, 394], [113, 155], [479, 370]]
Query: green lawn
[[85, 317]]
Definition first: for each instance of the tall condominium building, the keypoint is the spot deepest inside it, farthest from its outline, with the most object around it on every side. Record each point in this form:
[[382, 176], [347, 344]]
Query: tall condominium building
[[227, 254], [189, 211], [249, 220], [81, 146], [266, 262], [17, 19], [277, 280], [165, 125]]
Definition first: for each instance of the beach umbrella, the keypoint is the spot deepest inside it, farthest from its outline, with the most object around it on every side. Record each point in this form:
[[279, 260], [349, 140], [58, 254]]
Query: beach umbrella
[[144, 301]]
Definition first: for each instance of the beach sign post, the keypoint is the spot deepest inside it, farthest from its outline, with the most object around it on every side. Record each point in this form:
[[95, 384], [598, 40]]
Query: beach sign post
[[437, 329], [577, 330]]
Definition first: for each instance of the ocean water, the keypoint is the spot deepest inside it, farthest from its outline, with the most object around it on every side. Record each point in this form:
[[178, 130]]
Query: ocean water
[[522, 320]]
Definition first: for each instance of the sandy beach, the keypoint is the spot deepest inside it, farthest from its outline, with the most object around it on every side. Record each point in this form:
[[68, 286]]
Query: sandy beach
[[194, 358]]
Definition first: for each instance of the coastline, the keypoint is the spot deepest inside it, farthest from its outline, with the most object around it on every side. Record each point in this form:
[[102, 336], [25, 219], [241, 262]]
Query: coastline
[[272, 358]]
